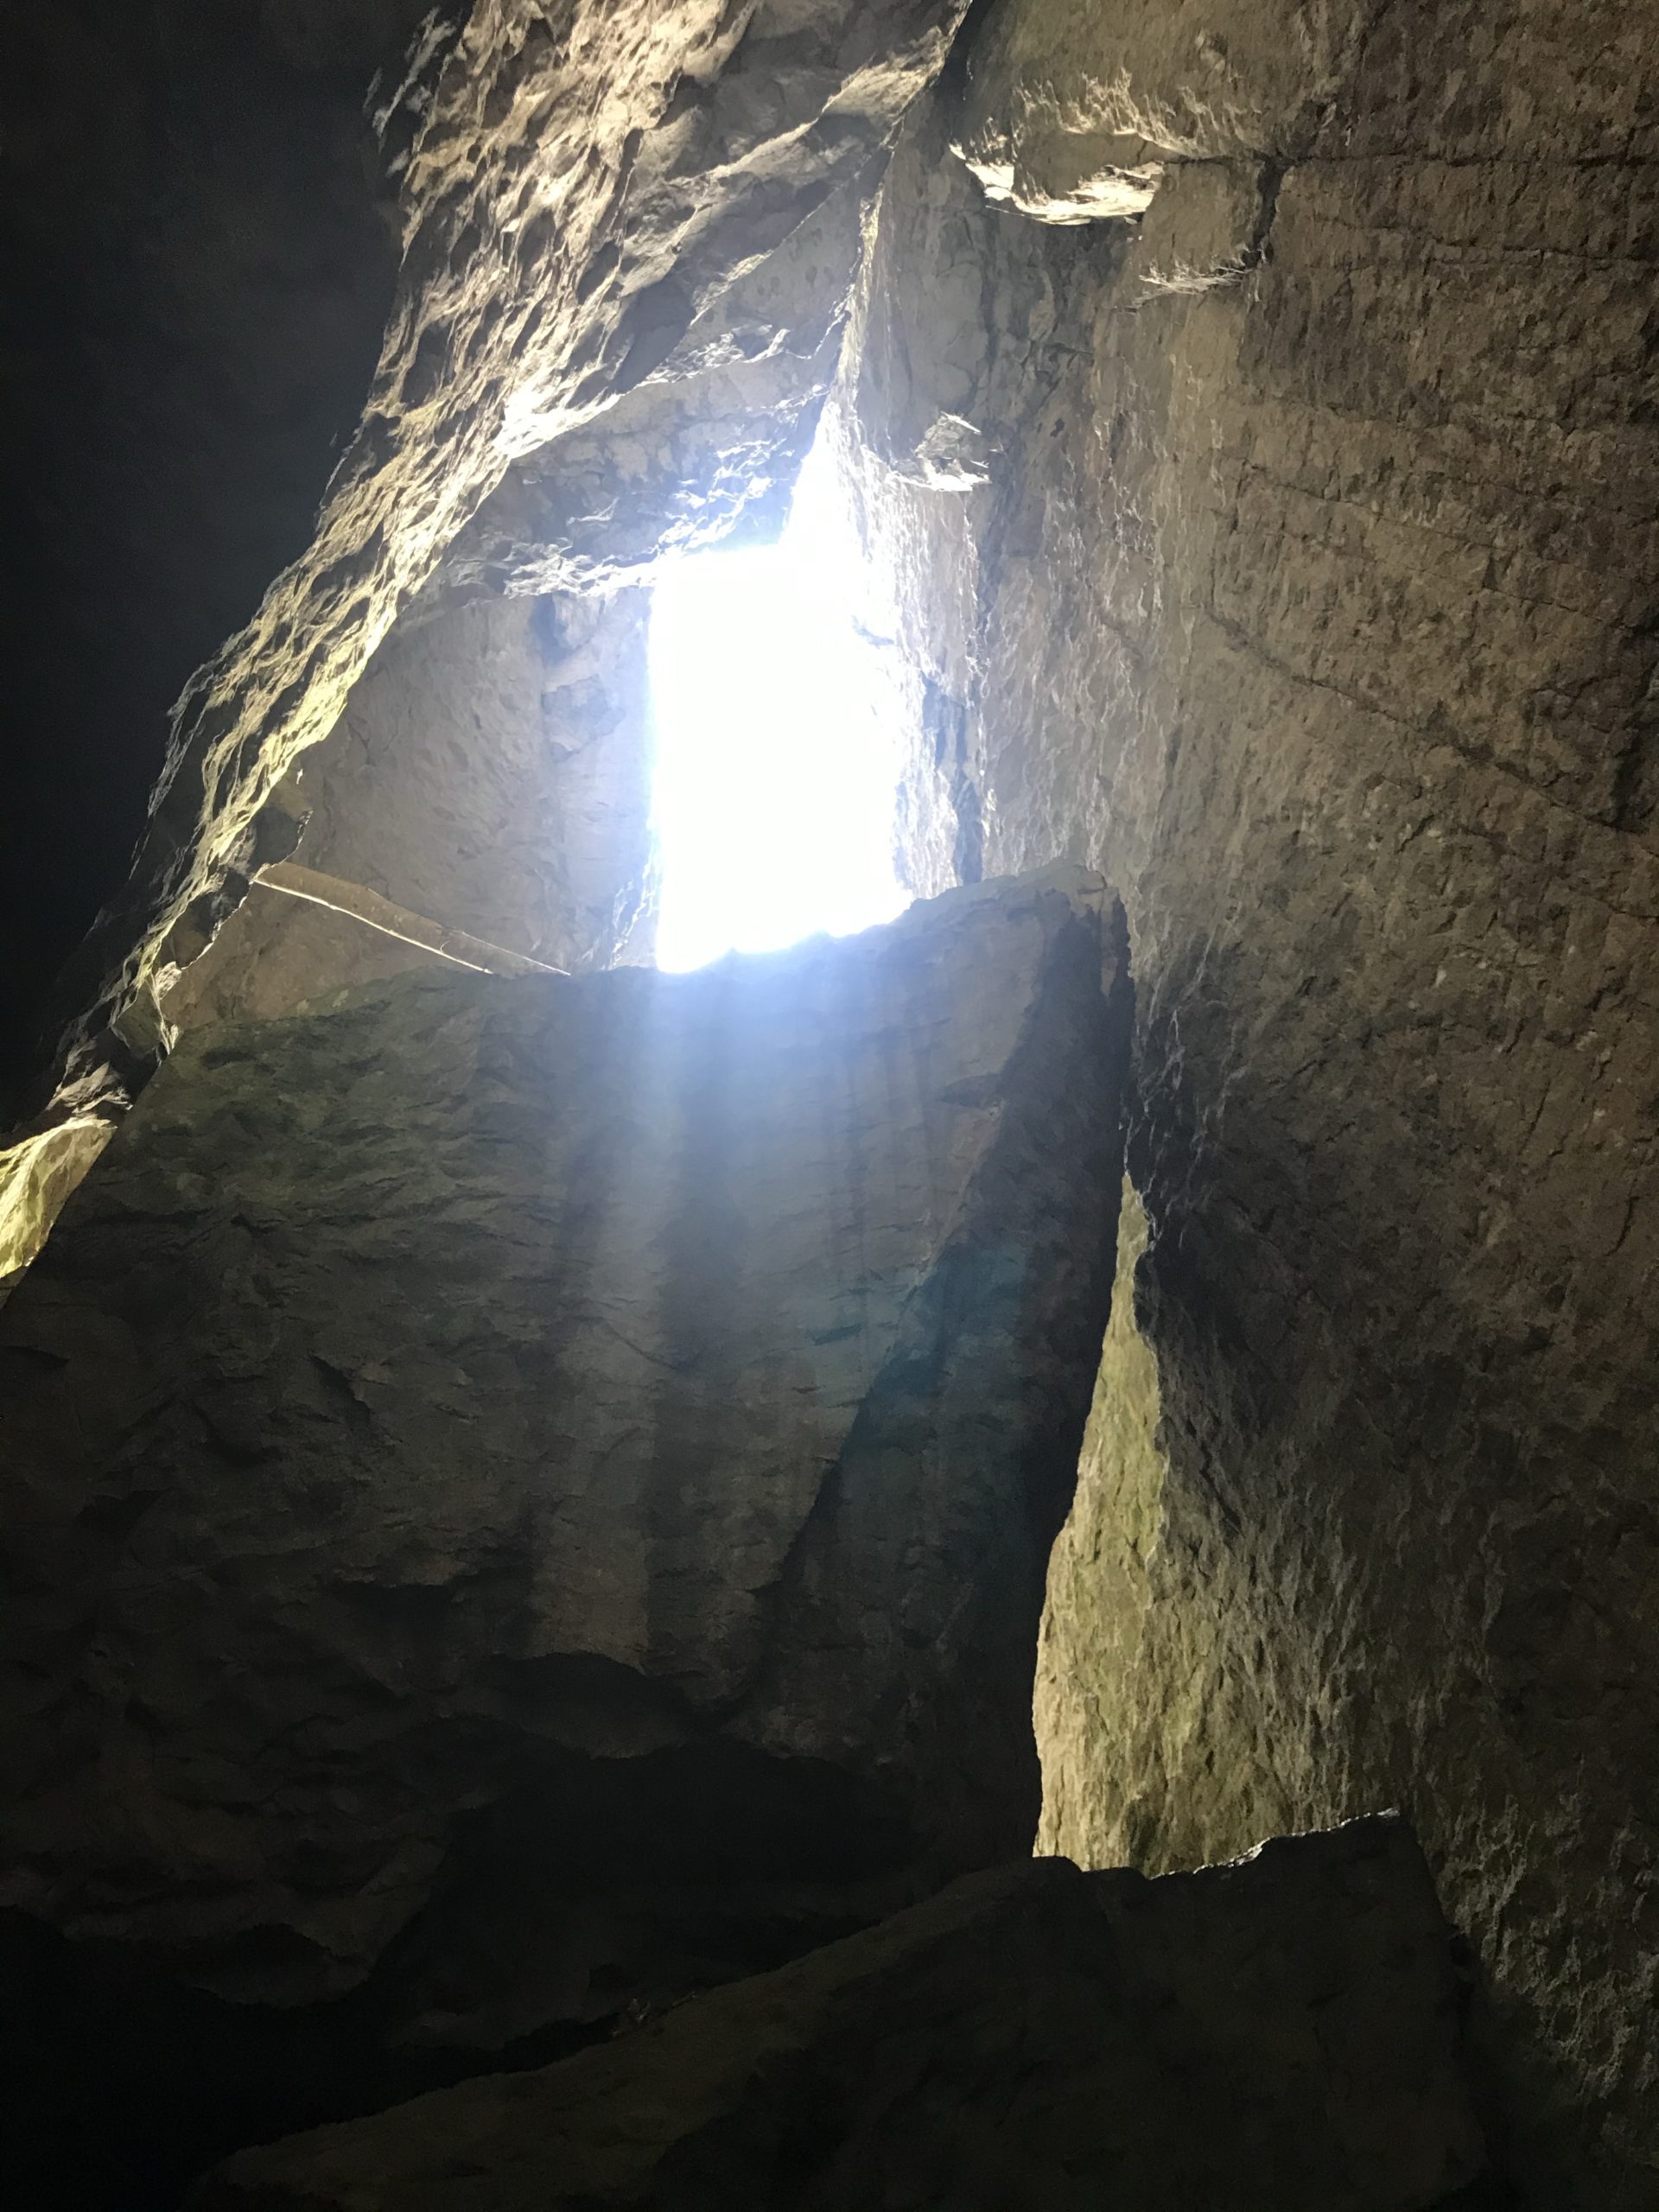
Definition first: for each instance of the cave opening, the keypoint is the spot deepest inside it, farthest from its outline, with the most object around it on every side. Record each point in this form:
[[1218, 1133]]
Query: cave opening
[[776, 739]]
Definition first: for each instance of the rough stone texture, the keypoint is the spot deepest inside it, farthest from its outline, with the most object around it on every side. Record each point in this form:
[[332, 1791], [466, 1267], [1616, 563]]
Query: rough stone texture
[[705, 451], [521, 1497], [1280, 2036], [36, 1178], [583, 183], [200, 237], [491, 771], [1312, 596], [1073, 121], [1096, 1757], [492, 768]]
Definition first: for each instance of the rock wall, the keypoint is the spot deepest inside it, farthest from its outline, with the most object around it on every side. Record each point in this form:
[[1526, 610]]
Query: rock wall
[[577, 189], [606, 252], [492, 769], [199, 231], [522, 1498], [1251, 407], [1033, 2038], [1302, 578], [491, 772]]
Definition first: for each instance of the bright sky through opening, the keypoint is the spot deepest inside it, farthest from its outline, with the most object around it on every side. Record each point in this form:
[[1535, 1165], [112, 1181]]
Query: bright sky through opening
[[777, 757]]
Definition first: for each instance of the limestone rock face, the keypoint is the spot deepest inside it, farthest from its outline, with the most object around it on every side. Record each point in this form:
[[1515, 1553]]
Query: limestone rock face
[[199, 235], [492, 768], [1279, 2036], [705, 451], [1310, 595], [491, 772], [521, 1497], [579, 187]]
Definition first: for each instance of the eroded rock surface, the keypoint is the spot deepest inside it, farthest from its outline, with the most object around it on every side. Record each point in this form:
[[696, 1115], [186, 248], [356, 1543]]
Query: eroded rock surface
[[492, 771], [523, 1497], [1280, 2036], [1310, 594], [704, 452], [579, 188], [201, 240]]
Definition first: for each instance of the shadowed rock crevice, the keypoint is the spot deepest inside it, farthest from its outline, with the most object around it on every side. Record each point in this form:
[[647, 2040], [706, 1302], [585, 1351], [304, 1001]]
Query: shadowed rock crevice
[[1031, 2038], [201, 246]]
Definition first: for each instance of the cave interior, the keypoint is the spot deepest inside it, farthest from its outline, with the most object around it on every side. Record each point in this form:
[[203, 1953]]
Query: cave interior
[[911, 1465]]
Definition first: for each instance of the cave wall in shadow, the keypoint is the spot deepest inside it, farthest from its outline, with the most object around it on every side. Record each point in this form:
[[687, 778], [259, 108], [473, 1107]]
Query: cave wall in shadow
[[201, 243], [526, 1496]]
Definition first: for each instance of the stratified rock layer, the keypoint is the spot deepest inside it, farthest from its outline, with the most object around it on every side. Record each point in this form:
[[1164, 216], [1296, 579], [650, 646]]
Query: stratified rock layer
[[525, 1497], [1280, 2036], [1312, 595]]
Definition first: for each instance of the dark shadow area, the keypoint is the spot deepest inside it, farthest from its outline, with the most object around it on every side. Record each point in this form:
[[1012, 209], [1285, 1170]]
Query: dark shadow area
[[200, 248], [123, 2084]]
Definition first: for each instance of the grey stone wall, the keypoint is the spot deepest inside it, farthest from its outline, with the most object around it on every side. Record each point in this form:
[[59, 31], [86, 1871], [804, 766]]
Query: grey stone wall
[[1310, 592]]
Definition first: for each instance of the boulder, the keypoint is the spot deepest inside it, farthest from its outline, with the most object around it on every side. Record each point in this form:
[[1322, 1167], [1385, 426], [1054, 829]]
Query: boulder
[[1277, 2036], [523, 1497]]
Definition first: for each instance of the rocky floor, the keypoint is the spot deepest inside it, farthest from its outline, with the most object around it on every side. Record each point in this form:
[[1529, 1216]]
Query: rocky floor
[[1281, 2036]]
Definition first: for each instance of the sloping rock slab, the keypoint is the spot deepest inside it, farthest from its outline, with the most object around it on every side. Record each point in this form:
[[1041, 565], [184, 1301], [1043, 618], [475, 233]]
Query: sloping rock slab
[[1276, 2036], [521, 1497]]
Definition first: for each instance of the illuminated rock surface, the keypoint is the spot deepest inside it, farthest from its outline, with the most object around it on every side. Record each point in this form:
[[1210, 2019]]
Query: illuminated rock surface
[[493, 766], [1313, 598], [525, 1497], [1280, 2036], [578, 189], [492, 770]]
